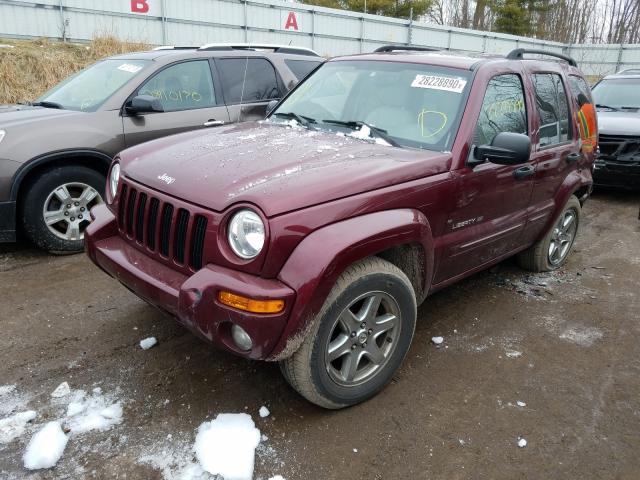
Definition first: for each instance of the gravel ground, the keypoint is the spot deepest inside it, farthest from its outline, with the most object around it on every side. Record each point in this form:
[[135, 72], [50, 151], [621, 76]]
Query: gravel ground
[[565, 344]]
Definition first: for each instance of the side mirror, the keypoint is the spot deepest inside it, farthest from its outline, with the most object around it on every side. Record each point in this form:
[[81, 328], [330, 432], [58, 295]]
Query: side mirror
[[144, 104], [506, 148], [271, 105]]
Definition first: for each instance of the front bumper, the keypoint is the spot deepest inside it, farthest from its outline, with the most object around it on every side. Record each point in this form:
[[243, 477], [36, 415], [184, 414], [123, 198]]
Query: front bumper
[[191, 299], [7, 222], [616, 174]]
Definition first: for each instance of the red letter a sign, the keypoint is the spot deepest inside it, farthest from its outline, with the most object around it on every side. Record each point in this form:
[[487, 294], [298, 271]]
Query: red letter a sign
[[139, 6], [292, 22]]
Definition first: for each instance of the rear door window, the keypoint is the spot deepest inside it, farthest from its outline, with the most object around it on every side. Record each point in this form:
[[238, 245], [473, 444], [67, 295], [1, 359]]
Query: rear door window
[[301, 68], [553, 109], [503, 109], [247, 80], [183, 86]]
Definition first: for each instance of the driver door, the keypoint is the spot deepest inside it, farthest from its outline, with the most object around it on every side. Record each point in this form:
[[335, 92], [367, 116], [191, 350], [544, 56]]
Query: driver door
[[490, 209], [190, 100]]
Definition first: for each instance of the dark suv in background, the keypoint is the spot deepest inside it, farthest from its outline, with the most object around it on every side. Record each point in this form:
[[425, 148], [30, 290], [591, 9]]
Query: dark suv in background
[[617, 99], [55, 152]]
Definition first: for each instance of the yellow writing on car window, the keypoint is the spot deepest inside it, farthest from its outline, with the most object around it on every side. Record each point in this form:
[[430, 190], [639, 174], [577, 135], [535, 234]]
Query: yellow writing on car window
[[431, 122], [504, 107], [174, 95]]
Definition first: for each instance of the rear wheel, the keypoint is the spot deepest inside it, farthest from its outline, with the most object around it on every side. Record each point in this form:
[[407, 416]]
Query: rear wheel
[[552, 251], [55, 208], [359, 338]]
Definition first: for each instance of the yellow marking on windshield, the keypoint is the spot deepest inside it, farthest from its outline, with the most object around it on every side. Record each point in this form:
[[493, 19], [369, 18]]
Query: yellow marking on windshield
[[424, 130]]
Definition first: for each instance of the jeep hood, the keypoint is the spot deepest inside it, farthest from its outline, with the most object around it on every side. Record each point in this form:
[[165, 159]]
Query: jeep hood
[[277, 167], [619, 123], [13, 115]]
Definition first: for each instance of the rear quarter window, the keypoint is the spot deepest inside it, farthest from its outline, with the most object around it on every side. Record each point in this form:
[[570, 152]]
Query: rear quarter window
[[301, 68]]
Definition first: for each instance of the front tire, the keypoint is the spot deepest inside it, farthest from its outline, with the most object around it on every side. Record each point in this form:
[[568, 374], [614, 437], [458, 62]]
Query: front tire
[[552, 251], [358, 340], [54, 211]]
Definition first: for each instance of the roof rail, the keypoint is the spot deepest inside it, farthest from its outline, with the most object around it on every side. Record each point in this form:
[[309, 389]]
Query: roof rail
[[410, 48], [518, 53], [173, 47], [629, 71], [258, 46]]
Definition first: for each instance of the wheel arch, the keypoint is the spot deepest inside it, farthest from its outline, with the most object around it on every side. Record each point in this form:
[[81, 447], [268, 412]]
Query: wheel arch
[[399, 236], [95, 159]]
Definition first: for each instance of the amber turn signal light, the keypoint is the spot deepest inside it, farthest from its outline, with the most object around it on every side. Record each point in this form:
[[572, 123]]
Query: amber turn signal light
[[249, 304]]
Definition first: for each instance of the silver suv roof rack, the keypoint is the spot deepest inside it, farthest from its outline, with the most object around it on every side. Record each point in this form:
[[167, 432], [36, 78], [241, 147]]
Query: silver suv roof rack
[[260, 46], [173, 47]]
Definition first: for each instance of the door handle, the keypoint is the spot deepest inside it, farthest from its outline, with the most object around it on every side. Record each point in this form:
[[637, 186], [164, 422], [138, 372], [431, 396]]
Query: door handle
[[213, 123], [524, 172], [573, 157]]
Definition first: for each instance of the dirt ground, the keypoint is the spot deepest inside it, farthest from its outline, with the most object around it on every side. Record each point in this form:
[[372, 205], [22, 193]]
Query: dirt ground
[[566, 344]]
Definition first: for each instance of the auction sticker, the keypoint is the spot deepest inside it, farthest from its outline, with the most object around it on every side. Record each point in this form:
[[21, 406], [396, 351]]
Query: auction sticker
[[127, 67], [435, 82]]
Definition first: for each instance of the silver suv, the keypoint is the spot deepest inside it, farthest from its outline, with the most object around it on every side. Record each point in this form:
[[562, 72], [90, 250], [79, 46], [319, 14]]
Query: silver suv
[[55, 152], [617, 99]]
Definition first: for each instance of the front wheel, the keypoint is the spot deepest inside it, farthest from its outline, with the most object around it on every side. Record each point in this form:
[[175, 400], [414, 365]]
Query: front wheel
[[55, 208], [552, 251], [359, 338]]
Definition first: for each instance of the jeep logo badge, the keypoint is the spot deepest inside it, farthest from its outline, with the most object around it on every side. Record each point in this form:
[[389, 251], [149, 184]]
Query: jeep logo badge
[[166, 179]]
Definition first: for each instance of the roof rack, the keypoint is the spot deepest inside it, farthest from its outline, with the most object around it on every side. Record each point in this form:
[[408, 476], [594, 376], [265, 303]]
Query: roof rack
[[518, 53], [399, 48], [257, 46], [629, 71], [173, 47]]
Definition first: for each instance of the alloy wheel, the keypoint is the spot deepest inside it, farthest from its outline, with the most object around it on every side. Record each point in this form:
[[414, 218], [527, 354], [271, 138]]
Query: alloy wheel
[[66, 210], [362, 339], [562, 237]]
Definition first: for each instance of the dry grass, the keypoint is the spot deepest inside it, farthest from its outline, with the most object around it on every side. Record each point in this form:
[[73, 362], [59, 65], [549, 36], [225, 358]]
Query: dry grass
[[32, 67]]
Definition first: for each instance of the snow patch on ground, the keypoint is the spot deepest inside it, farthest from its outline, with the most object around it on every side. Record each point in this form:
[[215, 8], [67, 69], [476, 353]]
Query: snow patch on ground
[[10, 399], [583, 336], [147, 343], [14, 426], [437, 340], [95, 412], [264, 412], [61, 390], [522, 443], [226, 446], [46, 447]]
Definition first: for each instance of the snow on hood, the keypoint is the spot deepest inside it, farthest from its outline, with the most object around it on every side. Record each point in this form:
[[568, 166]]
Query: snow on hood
[[618, 123], [277, 167]]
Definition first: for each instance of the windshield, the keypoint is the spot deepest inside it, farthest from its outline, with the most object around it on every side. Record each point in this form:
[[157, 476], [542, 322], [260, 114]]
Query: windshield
[[618, 93], [89, 88], [406, 104]]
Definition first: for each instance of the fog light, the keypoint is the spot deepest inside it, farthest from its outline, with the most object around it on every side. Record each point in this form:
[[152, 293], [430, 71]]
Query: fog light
[[249, 304], [241, 338]]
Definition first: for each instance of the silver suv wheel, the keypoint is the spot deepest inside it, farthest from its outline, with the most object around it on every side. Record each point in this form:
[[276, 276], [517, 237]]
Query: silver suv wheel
[[66, 210]]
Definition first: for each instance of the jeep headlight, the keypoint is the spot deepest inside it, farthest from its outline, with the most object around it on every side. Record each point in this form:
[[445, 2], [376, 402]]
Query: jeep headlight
[[2, 134], [246, 234], [114, 178]]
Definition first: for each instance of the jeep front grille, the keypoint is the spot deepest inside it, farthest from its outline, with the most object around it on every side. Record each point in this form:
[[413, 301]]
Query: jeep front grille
[[176, 233]]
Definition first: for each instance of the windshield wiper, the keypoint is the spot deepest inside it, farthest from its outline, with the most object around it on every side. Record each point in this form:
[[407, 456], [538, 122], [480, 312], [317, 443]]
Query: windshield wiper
[[46, 104], [301, 119], [599, 105], [378, 132], [629, 108]]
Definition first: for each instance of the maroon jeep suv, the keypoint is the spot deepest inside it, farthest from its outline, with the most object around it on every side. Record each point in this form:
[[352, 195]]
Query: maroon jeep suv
[[311, 237]]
